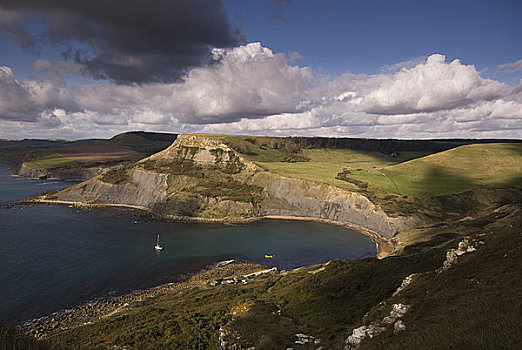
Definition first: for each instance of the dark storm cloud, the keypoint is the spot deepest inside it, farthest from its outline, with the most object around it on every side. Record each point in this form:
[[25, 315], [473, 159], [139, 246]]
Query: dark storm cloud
[[127, 41]]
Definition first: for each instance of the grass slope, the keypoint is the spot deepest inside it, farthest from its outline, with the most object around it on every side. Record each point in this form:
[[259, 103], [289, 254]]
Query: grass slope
[[49, 159], [98, 153], [142, 142], [130, 146], [315, 164], [325, 164], [453, 171], [413, 173]]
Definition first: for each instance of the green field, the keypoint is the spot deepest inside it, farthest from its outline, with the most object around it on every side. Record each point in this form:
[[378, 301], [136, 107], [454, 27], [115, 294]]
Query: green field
[[418, 173], [321, 164], [453, 171], [49, 159], [325, 164]]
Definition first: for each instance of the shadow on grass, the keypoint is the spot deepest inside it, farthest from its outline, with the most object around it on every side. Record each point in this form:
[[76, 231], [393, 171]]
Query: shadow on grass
[[474, 305], [435, 181]]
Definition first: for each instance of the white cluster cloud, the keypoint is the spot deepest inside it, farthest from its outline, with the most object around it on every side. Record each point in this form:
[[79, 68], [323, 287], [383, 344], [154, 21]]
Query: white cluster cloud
[[432, 86], [249, 81], [30, 101], [15, 101], [250, 89]]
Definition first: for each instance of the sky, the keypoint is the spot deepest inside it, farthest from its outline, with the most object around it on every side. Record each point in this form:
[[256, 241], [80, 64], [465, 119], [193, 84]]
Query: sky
[[340, 68]]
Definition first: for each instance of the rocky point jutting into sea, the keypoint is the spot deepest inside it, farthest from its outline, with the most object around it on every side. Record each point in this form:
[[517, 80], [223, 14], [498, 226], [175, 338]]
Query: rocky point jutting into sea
[[202, 178]]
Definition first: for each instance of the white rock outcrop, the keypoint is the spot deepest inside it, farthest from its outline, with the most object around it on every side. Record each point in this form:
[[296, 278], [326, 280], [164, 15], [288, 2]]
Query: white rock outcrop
[[399, 326], [405, 283], [452, 255], [370, 331]]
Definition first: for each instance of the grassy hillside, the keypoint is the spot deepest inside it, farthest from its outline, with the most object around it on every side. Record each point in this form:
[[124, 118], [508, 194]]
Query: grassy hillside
[[14, 152], [98, 153], [316, 164], [142, 142], [48, 159], [453, 171], [325, 164], [407, 172], [130, 146]]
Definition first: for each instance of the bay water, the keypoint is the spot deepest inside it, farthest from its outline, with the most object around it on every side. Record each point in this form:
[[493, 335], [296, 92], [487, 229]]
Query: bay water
[[56, 257]]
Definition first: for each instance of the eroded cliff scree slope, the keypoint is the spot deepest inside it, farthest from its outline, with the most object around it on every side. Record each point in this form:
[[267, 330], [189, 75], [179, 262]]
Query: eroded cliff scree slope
[[198, 176]]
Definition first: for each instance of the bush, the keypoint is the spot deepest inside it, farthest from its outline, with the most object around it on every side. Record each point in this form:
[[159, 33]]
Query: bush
[[116, 176], [12, 338], [180, 206]]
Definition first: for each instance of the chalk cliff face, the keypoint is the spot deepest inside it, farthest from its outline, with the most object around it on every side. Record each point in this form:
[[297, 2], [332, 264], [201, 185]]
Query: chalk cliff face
[[202, 177]]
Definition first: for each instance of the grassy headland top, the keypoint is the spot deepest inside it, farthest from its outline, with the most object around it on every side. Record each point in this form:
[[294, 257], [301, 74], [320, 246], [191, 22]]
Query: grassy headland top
[[401, 167]]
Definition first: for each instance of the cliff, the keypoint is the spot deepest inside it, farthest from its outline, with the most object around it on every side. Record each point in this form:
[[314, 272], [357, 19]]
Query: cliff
[[198, 176], [295, 197], [67, 174]]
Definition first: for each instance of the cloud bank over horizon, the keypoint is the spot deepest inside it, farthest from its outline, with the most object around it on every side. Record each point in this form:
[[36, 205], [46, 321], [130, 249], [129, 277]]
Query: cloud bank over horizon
[[250, 89]]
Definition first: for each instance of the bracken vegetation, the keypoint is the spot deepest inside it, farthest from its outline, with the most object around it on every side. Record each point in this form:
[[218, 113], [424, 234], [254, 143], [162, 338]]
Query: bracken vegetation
[[473, 305], [116, 176], [14, 339]]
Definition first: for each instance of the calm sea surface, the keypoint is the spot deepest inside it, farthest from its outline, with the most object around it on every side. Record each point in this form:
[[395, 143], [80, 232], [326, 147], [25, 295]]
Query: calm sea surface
[[56, 257]]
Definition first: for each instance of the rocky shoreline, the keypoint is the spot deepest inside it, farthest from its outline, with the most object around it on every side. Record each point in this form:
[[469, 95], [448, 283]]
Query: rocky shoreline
[[90, 312]]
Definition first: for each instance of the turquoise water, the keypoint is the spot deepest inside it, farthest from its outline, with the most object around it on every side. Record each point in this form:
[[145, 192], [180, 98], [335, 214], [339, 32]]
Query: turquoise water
[[55, 257]]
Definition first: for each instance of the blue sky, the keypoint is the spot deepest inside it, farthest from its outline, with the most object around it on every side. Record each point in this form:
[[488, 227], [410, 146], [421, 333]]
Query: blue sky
[[361, 68], [364, 35]]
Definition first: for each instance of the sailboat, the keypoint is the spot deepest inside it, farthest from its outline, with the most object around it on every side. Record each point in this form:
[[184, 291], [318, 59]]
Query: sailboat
[[157, 246]]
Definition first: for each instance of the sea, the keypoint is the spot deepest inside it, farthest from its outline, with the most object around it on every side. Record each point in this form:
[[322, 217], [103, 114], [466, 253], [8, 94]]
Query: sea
[[54, 257]]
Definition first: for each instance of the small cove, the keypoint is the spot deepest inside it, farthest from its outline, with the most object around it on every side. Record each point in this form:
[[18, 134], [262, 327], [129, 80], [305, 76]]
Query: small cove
[[56, 257]]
